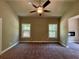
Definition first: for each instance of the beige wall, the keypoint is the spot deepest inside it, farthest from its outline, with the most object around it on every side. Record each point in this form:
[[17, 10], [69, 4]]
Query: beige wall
[[0, 34], [63, 31], [39, 28], [10, 25], [74, 10]]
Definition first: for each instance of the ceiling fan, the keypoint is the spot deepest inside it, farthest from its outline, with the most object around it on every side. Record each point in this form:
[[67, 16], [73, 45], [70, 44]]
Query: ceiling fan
[[40, 8]]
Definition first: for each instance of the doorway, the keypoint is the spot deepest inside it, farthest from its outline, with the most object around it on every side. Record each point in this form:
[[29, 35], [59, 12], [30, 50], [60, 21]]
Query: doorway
[[73, 29], [73, 32]]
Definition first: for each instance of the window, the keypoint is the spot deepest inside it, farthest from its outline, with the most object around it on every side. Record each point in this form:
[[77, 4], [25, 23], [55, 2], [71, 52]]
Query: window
[[26, 30], [52, 30]]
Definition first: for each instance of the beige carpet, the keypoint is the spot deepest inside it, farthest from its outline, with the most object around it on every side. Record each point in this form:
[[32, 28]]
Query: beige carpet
[[40, 51]]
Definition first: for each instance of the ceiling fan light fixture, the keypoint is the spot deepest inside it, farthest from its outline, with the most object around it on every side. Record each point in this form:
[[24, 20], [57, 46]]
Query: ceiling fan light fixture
[[40, 10]]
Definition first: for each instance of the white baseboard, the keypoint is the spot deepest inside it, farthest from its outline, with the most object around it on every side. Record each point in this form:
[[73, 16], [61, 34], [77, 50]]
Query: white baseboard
[[8, 48], [62, 44], [40, 41]]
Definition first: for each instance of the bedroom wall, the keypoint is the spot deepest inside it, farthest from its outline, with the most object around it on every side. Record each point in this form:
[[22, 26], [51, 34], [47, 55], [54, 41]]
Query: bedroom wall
[[10, 25], [63, 31], [0, 34], [39, 28]]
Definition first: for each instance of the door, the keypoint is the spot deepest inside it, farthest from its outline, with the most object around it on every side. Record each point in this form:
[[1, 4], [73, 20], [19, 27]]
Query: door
[[0, 34]]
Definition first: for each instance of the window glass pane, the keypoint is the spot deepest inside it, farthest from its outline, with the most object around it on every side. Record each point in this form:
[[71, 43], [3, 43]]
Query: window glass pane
[[26, 34], [52, 30], [52, 34], [25, 26], [26, 30], [53, 27]]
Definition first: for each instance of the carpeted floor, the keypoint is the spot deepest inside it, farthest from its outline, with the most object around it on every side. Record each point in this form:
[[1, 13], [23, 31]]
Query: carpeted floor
[[74, 46], [40, 51]]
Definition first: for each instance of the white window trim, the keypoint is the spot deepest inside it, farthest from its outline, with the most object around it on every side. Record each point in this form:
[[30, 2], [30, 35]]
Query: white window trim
[[54, 31], [25, 30]]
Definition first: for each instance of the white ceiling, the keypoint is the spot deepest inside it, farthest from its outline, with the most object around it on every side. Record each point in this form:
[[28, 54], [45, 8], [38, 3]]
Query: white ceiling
[[57, 7]]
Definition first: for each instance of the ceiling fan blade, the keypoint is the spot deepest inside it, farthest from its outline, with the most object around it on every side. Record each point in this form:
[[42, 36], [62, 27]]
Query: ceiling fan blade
[[46, 10], [34, 5], [32, 11], [46, 3]]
